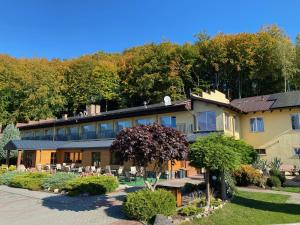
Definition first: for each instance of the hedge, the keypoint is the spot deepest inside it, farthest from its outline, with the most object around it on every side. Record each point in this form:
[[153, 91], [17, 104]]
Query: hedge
[[32, 181]]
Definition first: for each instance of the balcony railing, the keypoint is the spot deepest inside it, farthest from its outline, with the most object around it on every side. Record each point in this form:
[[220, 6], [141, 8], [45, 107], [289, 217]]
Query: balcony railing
[[106, 134], [89, 135]]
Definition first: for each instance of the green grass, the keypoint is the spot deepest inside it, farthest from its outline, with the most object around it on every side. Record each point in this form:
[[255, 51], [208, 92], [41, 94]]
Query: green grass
[[248, 208], [289, 189]]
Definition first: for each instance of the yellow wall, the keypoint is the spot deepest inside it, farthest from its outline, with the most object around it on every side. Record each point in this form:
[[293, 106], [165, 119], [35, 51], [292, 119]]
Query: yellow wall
[[278, 138], [43, 157]]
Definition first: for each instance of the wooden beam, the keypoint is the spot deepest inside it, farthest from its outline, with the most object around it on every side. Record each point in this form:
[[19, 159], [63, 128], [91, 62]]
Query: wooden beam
[[7, 157], [19, 158]]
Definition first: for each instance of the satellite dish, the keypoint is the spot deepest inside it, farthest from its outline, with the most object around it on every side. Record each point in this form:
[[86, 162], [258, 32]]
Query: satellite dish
[[167, 100]]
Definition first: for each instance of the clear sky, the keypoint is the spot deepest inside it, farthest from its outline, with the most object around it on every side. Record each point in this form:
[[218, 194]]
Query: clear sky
[[70, 28]]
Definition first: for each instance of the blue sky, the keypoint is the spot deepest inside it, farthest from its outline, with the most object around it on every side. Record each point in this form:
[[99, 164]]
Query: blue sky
[[70, 28]]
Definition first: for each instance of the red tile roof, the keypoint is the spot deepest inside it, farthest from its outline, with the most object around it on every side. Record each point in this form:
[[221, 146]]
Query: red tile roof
[[253, 104]]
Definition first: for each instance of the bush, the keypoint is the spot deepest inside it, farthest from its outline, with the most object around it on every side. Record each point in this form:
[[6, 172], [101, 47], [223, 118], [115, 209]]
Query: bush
[[12, 168], [143, 205], [190, 210], [6, 177], [277, 173], [93, 185], [31, 181], [246, 175], [273, 181], [58, 180]]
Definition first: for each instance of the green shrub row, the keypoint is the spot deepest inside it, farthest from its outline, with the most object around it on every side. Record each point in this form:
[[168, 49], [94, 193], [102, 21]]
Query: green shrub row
[[70, 182], [143, 205]]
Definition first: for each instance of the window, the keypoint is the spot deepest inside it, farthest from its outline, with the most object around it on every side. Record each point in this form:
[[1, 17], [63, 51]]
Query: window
[[207, 121], [123, 124], [257, 124], [67, 157], [106, 130], [53, 158], [168, 121], [297, 151], [115, 159], [261, 151], [227, 121], [48, 134], [295, 121], [89, 132], [60, 134], [96, 158], [38, 135], [144, 121], [73, 133]]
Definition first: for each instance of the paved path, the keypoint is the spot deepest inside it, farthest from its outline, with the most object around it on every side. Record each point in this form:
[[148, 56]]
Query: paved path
[[294, 197], [19, 206]]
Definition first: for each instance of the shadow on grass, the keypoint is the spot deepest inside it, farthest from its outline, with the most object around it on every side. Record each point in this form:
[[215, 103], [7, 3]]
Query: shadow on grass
[[287, 208]]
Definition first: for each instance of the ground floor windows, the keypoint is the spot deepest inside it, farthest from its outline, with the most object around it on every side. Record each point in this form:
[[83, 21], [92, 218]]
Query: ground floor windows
[[257, 124], [168, 121], [145, 121], [96, 158], [207, 121], [295, 118], [72, 157], [261, 151], [297, 151]]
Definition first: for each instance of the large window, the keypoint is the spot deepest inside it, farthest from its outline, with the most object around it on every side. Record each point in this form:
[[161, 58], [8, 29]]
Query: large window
[[53, 158], [257, 124], [89, 132], [261, 151], [106, 130], [123, 124], [227, 121], [38, 135], [207, 121], [73, 133], [49, 134], [60, 134], [168, 121], [144, 121], [295, 121]]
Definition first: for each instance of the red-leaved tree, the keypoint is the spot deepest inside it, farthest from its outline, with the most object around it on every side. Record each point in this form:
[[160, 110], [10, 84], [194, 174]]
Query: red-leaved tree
[[150, 144]]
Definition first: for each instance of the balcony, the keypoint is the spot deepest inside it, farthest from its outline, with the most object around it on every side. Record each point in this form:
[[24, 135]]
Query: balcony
[[71, 137], [60, 137], [89, 135], [106, 134]]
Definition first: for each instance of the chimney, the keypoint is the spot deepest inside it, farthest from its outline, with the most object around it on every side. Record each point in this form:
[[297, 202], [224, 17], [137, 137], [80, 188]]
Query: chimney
[[90, 109], [65, 116], [97, 109]]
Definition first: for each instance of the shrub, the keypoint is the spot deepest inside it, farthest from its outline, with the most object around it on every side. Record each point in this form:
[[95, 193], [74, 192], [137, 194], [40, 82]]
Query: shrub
[[143, 205], [93, 185], [31, 181], [190, 210], [215, 202], [246, 175], [7, 176], [277, 173], [12, 168], [273, 181], [58, 180]]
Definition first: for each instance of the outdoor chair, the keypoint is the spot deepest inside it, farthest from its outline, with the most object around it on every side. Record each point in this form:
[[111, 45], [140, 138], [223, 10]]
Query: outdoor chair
[[107, 169], [64, 164], [93, 169], [58, 167], [80, 169], [39, 167], [98, 170], [133, 170], [67, 168], [73, 165], [47, 167], [129, 177], [87, 169]]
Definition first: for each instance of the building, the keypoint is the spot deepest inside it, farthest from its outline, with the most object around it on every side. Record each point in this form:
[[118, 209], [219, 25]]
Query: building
[[271, 123]]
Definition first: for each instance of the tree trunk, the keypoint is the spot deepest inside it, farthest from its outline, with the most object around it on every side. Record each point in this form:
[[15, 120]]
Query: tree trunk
[[223, 186], [207, 188]]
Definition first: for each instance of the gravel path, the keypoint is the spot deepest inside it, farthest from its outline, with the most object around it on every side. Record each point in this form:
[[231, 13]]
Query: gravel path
[[294, 197], [20, 206]]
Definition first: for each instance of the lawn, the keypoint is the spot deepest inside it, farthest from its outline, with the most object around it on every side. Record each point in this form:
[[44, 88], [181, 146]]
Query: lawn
[[248, 208], [289, 189]]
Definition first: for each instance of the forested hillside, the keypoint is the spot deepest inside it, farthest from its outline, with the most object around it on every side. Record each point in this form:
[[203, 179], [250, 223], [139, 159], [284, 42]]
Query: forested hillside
[[239, 65]]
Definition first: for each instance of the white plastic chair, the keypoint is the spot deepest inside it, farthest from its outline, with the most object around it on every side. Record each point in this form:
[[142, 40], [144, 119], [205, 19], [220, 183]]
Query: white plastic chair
[[93, 169]]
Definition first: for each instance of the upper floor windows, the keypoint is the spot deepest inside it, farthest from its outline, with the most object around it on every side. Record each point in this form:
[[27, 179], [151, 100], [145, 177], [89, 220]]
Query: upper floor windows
[[73, 133], [123, 124], [106, 130], [144, 121], [295, 121], [207, 121], [89, 131], [168, 121], [257, 124]]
